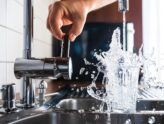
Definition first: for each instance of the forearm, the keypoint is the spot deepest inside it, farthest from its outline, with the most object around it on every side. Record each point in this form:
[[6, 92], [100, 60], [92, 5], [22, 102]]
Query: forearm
[[96, 4]]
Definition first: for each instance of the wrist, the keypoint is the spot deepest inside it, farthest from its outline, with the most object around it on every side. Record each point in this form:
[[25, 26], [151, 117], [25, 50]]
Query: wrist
[[90, 4]]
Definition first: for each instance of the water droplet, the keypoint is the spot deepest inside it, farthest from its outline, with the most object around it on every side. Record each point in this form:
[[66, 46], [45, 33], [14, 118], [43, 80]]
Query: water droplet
[[77, 78], [97, 117], [93, 72], [153, 109], [92, 76], [93, 108], [128, 121], [81, 111], [82, 71], [86, 73], [151, 120]]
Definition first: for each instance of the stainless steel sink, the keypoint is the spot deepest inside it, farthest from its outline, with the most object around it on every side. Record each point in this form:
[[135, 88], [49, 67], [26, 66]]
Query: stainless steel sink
[[90, 104], [64, 118], [81, 111], [86, 104], [69, 115], [73, 117], [44, 118]]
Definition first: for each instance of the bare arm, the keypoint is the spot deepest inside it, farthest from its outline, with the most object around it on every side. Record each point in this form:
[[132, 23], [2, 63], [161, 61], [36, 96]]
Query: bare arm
[[97, 4], [66, 12]]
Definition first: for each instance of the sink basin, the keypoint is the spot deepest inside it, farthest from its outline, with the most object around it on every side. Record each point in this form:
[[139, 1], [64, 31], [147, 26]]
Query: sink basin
[[37, 119], [64, 118], [60, 116], [89, 104], [91, 118], [80, 111], [86, 104]]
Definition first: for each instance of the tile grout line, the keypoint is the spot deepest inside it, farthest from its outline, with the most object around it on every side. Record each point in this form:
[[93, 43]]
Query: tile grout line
[[11, 29], [44, 42], [18, 2], [7, 62]]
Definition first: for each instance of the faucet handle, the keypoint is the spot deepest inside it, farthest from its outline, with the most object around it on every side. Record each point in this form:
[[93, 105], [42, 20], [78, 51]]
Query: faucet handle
[[123, 5], [8, 96], [65, 47]]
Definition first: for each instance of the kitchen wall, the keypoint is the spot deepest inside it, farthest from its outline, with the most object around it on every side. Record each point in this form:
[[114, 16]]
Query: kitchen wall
[[110, 14], [11, 36]]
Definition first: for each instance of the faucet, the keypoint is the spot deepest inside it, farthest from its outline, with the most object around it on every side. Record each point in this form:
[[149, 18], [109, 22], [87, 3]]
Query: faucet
[[123, 5], [29, 68], [54, 68], [28, 88]]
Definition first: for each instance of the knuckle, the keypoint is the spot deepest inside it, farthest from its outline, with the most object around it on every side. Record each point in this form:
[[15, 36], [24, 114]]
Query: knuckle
[[57, 4], [48, 27], [77, 32], [49, 7]]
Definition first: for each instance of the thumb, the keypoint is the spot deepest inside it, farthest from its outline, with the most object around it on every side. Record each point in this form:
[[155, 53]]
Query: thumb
[[76, 29]]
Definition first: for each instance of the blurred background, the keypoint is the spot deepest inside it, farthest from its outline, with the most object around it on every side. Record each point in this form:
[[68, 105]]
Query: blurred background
[[144, 25]]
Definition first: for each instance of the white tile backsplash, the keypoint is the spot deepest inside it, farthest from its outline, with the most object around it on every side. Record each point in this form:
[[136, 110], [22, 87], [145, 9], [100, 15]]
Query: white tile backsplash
[[41, 49], [11, 36], [12, 42], [21, 48], [14, 15], [3, 44], [2, 74], [10, 77], [3, 67], [20, 2], [42, 33], [41, 9], [3, 4]]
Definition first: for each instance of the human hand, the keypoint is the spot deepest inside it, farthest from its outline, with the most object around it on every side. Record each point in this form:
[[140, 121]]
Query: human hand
[[68, 12]]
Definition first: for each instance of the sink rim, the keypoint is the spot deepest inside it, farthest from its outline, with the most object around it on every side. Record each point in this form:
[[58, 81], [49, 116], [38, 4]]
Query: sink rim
[[86, 104]]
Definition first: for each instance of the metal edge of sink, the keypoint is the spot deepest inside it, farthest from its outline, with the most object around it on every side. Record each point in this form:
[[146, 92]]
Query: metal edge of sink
[[85, 104], [91, 103], [74, 117]]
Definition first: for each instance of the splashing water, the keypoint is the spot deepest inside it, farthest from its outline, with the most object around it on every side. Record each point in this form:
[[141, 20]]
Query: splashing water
[[151, 86], [121, 71], [124, 31]]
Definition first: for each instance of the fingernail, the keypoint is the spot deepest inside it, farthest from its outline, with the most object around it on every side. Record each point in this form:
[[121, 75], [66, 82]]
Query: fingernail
[[62, 37], [72, 37]]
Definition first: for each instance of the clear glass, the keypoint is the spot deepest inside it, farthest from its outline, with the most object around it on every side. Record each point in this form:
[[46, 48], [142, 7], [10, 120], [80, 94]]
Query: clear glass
[[125, 95]]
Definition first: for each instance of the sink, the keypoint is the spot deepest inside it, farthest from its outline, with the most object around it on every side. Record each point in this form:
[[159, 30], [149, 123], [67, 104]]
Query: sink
[[67, 114], [86, 104], [64, 118], [81, 111], [44, 118], [73, 117], [90, 104]]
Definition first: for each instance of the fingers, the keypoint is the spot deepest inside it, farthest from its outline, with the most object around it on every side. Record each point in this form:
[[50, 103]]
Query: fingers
[[60, 15], [54, 21], [76, 29]]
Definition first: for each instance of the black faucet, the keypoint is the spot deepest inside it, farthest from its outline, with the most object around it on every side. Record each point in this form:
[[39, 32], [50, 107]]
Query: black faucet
[[123, 5], [28, 67]]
